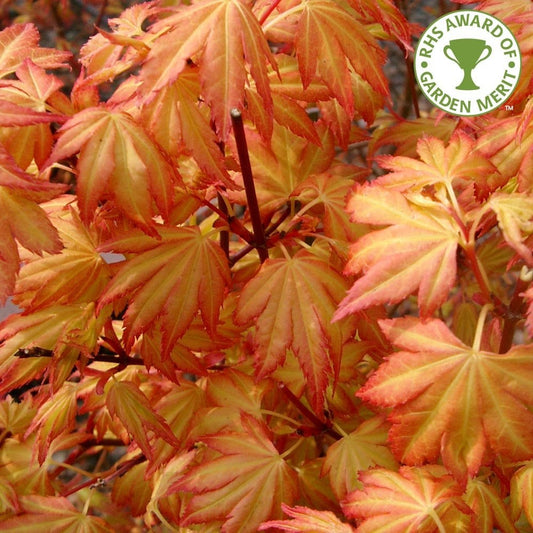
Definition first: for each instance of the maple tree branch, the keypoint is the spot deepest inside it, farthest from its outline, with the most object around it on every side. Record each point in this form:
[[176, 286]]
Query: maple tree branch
[[321, 426], [101, 13], [224, 234], [103, 356], [514, 311], [289, 209], [249, 186], [411, 87], [267, 13], [104, 477], [480, 275]]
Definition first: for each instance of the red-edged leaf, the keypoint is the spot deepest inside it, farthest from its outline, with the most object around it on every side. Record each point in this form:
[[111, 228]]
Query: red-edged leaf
[[408, 501], [361, 449], [67, 330], [416, 251], [15, 115], [289, 159], [172, 278], [389, 16], [8, 499], [329, 191], [451, 400], [489, 510], [305, 519], [457, 165], [77, 274], [125, 401], [53, 514], [117, 159], [22, 220], [327, 38], [244, 486], [522, 492], [181, 126], [224, 36], [20, 42], [291, 301], [515, 219], [406, 134], [56, 416]]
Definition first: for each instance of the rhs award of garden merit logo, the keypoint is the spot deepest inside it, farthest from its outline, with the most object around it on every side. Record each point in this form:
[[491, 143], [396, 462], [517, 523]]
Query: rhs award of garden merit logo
[[467, 63]]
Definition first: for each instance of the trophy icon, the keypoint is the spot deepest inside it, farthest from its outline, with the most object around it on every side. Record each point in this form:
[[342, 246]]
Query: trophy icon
[[467, 53]]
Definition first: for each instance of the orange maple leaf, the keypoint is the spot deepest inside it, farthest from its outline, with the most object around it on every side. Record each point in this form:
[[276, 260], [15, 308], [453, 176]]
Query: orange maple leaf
[[411, 500], [361, 449], [20, 42], [489, 508], [77, 274], [117, 159], [22, 220], [244, 486], [522, 492], [128, 403], [451, 400], [328, 37], [53, 513], [172, 279], [292, 301], [223, 36], [305, 519], [416, 251], [180, 124]]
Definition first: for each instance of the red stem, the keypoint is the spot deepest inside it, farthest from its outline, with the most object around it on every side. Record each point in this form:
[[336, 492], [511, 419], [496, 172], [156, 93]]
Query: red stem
[[513, 316], [321, 426], [249, 186], [273, 6]]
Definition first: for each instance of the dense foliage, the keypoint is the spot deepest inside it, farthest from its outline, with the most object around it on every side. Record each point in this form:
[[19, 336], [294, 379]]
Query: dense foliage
[[256, 292]]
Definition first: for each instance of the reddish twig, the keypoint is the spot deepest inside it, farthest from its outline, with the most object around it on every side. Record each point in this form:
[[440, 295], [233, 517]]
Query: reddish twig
[[249, 186]]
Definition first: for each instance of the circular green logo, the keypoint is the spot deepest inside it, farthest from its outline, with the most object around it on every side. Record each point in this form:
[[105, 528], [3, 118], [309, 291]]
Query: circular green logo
[[467, 63]]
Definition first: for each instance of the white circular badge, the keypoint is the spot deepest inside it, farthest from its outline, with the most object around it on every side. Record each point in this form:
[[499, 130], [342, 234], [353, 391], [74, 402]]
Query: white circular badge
[[467, 63]]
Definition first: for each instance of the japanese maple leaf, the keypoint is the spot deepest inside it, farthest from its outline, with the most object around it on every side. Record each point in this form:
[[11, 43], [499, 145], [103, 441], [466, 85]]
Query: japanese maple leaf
[[117, 159], [22, 220], [515, 219], [507, 143], [489, 509], [181, 126], [389, 16], [67, 330], [55, 416], [172, 279], [460, 402], [328, 192], [522, 492], [291, 301], [454, 166], [53, 513], [361, 449], [24, 111], [425, 499], [106, 55], [19, 42], [305, 519], [416, 251], [327, 38], [242, 487], [224, 37], [128, 403], [77, 274]]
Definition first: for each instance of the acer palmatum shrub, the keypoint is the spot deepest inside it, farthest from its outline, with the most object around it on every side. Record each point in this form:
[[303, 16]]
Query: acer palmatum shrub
[[287, 341]]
